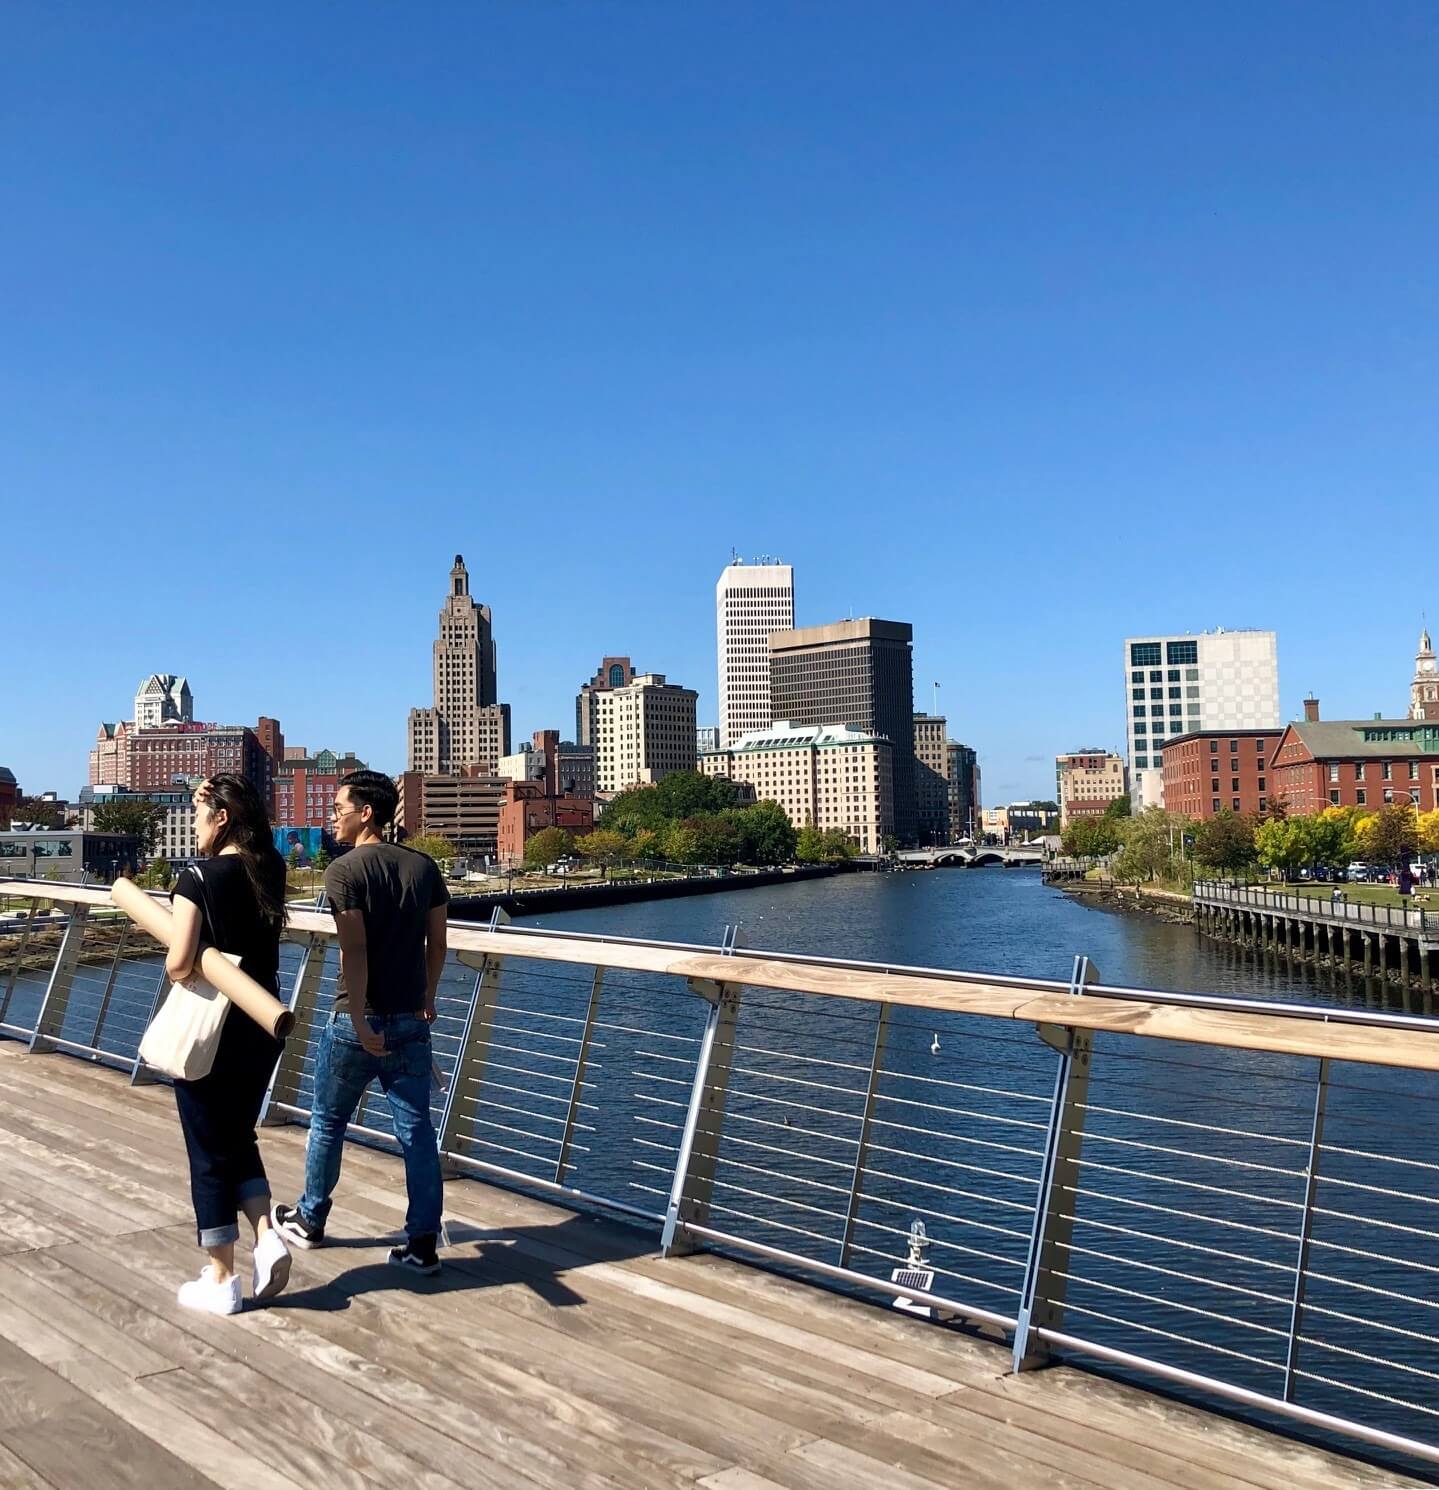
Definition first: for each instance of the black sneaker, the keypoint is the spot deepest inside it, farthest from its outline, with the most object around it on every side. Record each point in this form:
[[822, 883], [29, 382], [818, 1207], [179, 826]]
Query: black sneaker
[[418, 1255], [287, 1220]]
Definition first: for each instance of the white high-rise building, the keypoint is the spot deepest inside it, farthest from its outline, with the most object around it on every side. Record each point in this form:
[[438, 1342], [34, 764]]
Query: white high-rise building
[[1208, 680], [751, 602], [643, 731]]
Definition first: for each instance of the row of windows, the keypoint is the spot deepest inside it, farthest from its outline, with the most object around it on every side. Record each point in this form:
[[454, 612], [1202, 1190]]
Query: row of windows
[[1176, 654], [1386, 770]]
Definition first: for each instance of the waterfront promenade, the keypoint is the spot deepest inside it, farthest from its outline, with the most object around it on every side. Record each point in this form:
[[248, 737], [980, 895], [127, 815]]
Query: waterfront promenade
[[556, 1350], [1211, 1194]]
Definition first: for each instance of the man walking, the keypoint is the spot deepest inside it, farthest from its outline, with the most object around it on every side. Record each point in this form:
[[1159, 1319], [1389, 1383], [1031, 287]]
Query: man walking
[[389, 906]]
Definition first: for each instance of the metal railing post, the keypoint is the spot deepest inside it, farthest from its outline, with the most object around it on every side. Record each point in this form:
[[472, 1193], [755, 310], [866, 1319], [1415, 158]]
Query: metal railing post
[[861, 1155], [1301, 1260], [19, 958], [1041, 1302], [692, 1185], [304, 999], [474, 1050], [51, 1018], [105, 997], [140, 1073], [572, 1109]]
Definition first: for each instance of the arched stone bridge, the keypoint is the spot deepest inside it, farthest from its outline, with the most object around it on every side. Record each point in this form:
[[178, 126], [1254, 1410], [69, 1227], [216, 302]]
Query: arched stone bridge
[[967, 856]]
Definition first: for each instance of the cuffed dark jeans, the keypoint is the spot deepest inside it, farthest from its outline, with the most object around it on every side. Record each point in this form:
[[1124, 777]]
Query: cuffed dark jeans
[[217, 1116]]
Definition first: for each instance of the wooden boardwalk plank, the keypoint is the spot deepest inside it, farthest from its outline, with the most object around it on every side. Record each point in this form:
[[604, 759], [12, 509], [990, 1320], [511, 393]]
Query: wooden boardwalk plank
[[555, 1351]]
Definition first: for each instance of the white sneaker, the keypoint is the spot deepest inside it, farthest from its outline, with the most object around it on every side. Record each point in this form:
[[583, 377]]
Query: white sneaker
[[272, 1266], [209, 1297]]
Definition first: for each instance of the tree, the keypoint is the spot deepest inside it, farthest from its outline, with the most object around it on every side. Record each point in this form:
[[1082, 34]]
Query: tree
[[647, 846], [809, 845], [1285, 844], [1389, 836], [546, 846], [1119, 807], [293, 858], [682, 846], [1429, 832], [158, 876], [132, 815], [717, 838], [680, 795], [39, 813], [432, 844], [1225, 843], [766, 835], [1339, 838], [1148, 845], [836, 844], [321, 861], [603, 846], [1091, 837]]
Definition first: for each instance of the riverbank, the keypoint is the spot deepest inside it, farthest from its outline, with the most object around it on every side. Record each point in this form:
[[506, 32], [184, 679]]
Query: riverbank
[[629, 892], [1168, 905]]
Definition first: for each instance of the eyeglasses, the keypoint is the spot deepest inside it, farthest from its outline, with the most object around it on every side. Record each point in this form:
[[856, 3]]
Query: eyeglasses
[[338, 811]]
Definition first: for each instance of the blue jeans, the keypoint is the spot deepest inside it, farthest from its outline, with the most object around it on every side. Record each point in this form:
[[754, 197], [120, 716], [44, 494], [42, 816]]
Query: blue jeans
[[343, 1069]]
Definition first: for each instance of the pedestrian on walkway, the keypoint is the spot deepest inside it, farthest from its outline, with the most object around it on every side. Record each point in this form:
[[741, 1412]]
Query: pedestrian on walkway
[[389, 906], [234, 899]]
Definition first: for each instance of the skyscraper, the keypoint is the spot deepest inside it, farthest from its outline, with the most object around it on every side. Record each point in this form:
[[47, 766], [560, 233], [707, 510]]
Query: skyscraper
[[613, 672], [859, 673], [643, 732], [931, 778], [1209, 680], [466, 727], [751, 602]]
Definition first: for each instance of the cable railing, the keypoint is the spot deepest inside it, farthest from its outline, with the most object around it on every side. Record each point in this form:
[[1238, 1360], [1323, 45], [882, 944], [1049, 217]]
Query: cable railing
[[1235, 1197], [1416, 919]]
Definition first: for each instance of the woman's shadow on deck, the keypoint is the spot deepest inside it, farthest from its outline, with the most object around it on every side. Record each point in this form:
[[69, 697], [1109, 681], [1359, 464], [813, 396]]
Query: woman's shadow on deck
[[534, 1256]]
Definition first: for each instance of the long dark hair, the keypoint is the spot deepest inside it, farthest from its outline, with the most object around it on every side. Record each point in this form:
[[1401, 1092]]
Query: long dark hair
[[247, 831]]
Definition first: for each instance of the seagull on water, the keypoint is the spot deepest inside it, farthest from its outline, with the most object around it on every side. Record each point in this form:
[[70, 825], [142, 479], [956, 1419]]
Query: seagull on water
[[934, 1044]]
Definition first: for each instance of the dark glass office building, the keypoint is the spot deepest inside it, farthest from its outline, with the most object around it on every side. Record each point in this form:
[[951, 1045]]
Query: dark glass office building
[[859, 673]]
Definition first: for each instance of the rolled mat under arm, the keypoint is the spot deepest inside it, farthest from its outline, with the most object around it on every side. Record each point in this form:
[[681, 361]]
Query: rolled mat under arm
[[240, 988]]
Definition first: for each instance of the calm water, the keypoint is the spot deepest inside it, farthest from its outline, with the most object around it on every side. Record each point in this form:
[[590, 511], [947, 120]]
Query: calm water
[[1193, 1173], [977, 920]]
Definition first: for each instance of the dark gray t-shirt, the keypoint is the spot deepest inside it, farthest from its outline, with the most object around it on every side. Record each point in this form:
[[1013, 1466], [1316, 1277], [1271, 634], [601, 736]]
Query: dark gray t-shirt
[[395, 888]]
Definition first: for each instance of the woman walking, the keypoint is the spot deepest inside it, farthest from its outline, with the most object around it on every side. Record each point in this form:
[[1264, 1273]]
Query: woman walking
[[234, 900]]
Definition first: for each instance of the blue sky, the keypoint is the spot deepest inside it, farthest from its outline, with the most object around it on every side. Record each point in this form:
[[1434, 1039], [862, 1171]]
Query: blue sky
[[1035, 325]]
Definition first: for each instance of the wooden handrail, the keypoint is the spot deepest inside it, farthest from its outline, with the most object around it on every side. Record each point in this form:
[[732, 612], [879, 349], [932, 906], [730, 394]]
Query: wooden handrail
[[1259, 1026]]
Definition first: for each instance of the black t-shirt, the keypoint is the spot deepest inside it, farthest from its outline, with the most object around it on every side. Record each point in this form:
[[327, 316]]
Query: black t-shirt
[[238, 926], [395, 888]]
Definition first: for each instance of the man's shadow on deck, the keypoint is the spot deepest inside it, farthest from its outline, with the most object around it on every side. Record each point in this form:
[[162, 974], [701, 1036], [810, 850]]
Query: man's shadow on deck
[[480, 1257]]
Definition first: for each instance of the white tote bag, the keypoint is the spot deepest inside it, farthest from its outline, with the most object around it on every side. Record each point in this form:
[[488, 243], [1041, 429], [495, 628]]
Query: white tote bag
[[184, 1035]]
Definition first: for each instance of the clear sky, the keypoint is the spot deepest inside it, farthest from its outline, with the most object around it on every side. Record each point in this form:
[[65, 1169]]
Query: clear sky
[[1034, 325]]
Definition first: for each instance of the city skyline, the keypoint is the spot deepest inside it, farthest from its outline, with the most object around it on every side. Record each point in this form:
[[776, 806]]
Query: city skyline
[[372, 740], [1033, 333]]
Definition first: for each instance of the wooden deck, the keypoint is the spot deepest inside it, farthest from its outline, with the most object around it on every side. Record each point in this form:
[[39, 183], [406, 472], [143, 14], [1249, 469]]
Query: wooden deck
[[554, 1351]]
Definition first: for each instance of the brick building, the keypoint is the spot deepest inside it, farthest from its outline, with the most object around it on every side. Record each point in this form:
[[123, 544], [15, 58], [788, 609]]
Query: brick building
[[1213, 771], [305, 788], [1356, 763], [527, 810], [173, 753]]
